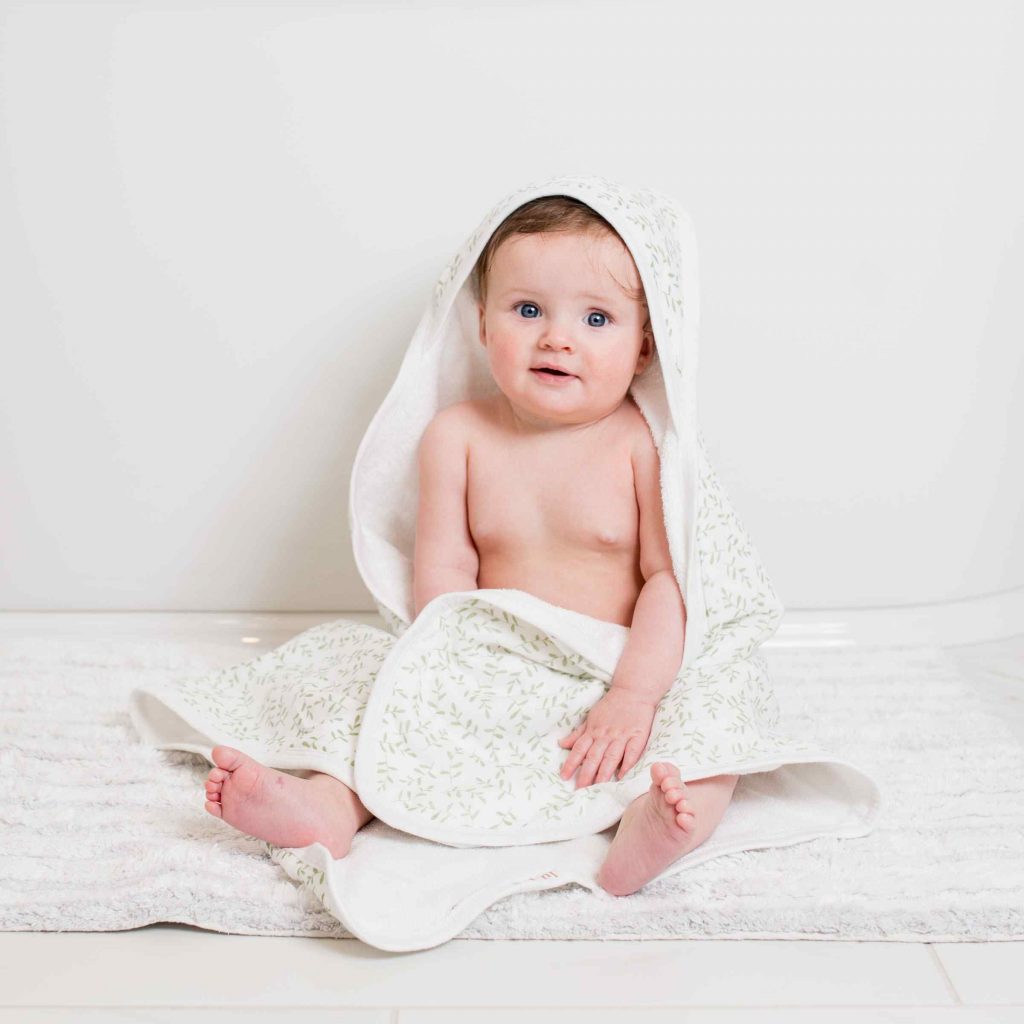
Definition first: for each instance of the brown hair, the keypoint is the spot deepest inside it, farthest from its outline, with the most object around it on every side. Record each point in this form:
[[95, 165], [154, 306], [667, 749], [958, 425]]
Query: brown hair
[[548, 213]]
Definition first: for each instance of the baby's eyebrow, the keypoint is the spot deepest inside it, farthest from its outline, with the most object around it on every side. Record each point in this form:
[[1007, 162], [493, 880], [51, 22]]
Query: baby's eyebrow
[[540, 291]]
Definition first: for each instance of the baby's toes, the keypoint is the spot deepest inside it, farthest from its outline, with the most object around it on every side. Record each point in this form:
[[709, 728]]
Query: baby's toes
[[213, 790], [214, 808], [227, 758], [683, 810], [674, 795], [680, 806]]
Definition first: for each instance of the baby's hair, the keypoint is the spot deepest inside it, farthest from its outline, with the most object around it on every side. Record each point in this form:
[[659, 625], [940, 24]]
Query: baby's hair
[[548, 213]]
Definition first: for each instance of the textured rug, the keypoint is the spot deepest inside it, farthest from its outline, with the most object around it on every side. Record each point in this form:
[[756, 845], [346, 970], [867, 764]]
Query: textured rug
[[101, 833]]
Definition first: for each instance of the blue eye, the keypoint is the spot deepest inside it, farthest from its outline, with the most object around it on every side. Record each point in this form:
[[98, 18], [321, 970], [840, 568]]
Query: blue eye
[[523, 307]]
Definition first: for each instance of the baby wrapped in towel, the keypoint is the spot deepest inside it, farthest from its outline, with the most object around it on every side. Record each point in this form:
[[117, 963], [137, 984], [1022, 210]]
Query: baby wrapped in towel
[[550, 485], [539, 692]]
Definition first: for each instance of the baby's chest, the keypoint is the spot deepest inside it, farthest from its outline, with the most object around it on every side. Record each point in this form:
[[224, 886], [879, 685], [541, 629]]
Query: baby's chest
[[583, 499]]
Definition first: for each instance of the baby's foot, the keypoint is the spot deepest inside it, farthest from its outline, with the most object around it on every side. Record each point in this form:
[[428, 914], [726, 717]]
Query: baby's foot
[[657, 828], [283, 809]]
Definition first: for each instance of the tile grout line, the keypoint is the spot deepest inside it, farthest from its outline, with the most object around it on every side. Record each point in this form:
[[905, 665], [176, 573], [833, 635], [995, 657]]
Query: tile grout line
[[945, 974]]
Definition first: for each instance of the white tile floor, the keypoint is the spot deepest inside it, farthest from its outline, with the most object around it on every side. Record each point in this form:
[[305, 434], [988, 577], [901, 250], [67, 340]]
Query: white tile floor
[[183, 974]]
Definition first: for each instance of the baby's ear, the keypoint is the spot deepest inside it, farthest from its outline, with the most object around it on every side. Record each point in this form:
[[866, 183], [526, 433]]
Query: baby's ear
[[480, 310], [646, 353]]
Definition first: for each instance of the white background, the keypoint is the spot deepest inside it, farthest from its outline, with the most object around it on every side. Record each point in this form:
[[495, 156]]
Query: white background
[[220, 223]]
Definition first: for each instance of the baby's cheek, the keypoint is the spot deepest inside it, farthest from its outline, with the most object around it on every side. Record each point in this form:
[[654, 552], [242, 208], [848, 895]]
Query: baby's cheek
[[502, 360]]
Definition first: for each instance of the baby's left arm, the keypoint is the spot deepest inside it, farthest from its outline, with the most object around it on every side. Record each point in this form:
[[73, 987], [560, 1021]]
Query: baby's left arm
[[618, 726], [654, 651]]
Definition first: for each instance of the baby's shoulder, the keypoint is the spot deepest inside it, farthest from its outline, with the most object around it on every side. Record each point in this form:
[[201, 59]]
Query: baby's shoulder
[[461, 424], [446, 431], [456, 416], [637, 431], [474, 415]]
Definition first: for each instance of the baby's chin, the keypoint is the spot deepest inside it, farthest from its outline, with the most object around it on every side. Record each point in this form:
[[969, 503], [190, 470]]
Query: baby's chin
[[559, 411]]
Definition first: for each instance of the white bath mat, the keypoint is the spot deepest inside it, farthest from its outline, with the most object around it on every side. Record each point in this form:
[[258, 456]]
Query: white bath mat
[[99, 832]]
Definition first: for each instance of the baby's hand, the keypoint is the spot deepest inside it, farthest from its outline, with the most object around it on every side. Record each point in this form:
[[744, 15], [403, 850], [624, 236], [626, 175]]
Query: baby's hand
[[617, 729]]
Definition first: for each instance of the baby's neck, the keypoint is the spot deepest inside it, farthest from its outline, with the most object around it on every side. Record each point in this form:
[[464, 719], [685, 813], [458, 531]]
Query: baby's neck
[[520, 422]]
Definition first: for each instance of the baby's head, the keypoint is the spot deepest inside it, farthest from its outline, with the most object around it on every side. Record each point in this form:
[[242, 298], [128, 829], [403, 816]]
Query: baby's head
[[557, 285]]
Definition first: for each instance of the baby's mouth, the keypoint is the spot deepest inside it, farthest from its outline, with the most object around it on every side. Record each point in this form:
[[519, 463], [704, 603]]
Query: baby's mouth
[[552, 373]]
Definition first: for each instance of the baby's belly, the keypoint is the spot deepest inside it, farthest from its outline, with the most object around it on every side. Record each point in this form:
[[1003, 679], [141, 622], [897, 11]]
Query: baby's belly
[[592, 583]]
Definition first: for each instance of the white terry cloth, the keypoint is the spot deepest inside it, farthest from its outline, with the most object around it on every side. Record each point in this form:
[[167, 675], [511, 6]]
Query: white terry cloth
[[447, 727]]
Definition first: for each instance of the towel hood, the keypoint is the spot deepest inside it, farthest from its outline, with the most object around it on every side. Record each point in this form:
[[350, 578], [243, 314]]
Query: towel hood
[[731, 605]]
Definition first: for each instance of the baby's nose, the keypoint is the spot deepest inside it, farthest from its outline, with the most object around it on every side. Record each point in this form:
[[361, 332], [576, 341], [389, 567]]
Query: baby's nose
[[557, 338]]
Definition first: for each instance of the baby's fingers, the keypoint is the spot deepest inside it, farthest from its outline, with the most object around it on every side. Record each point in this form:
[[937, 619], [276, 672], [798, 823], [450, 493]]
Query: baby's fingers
[[634, 748], [591, 763], [612, 756], [568, 741], [576, 755]]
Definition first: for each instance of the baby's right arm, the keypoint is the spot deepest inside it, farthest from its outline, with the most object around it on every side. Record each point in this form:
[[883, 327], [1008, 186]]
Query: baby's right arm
[[445, 558]]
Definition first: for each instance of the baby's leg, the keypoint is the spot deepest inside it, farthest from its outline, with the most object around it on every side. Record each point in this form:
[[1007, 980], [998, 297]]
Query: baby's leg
[[281, 808], [661, 825]]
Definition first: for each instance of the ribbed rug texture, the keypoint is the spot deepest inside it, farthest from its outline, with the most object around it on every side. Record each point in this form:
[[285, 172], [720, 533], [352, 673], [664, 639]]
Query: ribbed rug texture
[[101, 833]]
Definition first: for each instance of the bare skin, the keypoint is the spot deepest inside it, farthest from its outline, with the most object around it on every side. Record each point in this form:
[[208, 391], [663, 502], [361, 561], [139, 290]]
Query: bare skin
[[280, 808], [555, 514], [551, 506], [586, 561], [669, 820]]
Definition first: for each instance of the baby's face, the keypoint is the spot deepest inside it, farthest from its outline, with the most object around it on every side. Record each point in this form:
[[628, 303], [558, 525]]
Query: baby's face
[[553, 298]]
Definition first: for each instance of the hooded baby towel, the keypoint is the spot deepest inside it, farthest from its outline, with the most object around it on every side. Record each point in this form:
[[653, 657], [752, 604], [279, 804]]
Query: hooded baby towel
[[447, 726]]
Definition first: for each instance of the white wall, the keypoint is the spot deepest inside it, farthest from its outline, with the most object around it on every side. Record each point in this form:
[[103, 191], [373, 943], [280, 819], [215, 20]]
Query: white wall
[[220, 223]]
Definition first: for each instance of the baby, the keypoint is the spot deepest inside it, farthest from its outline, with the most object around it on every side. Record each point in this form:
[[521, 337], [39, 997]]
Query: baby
[[549, 486]]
